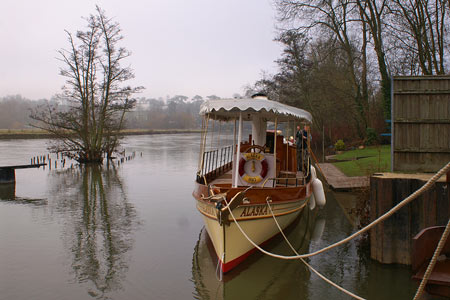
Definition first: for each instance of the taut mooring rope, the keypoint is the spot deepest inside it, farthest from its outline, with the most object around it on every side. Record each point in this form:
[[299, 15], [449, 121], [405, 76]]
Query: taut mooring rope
[[386, 215]]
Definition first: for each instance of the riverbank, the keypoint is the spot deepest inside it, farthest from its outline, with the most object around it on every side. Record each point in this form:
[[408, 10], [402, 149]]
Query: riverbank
[[364, 161], [11, 134]]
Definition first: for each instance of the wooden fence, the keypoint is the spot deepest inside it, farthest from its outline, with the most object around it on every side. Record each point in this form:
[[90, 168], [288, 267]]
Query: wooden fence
[[420, 123]]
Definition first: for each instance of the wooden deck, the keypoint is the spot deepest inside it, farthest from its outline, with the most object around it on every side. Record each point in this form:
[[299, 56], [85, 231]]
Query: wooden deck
[[339, 181], [23, 166]]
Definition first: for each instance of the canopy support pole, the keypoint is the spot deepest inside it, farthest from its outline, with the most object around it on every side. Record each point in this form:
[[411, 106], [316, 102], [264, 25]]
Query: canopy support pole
[[203, 143], [287, 146], [238, 152], [275, 146]]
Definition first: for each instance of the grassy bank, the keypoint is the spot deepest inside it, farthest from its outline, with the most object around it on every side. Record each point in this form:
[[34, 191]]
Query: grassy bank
[[41, 134], [362, 162]]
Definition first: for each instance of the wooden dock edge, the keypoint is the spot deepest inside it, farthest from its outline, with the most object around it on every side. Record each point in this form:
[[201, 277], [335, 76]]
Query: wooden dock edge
[[391, 241], [8, 173]]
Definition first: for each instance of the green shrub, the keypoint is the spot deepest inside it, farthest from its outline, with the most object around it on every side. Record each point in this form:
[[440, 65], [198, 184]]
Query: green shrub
[[339, 146], [372, 137]]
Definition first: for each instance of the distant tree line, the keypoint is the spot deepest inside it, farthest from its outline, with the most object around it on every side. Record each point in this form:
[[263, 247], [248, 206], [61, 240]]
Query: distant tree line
[[15, 111], [177, 112], [339, 55]]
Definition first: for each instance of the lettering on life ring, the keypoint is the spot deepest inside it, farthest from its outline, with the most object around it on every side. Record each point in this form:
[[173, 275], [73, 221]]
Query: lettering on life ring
[[253, 156]]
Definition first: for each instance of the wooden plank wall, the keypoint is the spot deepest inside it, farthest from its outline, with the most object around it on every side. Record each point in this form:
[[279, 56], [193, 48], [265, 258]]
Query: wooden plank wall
[[391, 240], [421, 123]]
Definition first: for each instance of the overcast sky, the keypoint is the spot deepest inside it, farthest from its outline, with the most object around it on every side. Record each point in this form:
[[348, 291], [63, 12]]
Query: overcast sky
[[185, 47]]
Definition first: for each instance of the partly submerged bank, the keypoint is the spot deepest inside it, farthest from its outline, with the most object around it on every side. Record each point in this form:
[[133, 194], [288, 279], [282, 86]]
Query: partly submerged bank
[[6, 134]]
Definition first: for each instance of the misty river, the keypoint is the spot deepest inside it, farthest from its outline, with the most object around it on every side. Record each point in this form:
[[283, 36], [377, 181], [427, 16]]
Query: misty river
[[131, 231]]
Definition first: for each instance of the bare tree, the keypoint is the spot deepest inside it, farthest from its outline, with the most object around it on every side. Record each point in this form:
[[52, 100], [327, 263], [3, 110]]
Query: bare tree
[[95, 100], [339, 20], [372, 13], [422, 28]]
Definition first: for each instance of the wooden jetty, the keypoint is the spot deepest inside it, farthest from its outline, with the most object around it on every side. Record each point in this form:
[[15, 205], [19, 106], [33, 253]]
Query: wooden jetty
[[338, 181], [8, 173], [391, 241]]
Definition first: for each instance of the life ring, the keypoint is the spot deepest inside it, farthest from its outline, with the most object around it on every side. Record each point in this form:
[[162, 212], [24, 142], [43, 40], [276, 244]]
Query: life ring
[[253, 156]]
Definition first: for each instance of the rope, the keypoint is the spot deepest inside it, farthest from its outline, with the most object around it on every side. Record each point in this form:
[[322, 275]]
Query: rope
[[430, 267], [317, 164], [414, 195], [308, 265]]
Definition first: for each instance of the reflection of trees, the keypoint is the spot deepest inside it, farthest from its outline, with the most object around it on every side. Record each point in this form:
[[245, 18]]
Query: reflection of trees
[[99, 223]]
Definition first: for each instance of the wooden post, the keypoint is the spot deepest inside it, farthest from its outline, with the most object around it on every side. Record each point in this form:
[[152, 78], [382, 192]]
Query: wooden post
[[323, 143], [8, 191], [391, 241], [7, 175]]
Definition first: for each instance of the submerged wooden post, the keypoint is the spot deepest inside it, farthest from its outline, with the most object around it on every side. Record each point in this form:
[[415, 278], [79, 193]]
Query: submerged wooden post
[[7, 175], [8, 191]]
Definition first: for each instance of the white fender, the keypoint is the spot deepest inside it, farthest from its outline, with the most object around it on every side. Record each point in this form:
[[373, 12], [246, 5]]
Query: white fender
[[312, 202], [313, 173], [319, 193]]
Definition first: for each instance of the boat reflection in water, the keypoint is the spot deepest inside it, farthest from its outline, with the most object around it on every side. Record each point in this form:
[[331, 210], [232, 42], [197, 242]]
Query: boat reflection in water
[[260, 276], [98, 223]]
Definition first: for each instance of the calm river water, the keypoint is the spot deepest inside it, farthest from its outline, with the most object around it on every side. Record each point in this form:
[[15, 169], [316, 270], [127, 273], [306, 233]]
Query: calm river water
[[131, 231]]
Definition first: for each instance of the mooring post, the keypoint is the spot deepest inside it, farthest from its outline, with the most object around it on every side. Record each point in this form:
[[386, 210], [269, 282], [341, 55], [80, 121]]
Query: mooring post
[[8, 191], [7, 175], [390, 241]]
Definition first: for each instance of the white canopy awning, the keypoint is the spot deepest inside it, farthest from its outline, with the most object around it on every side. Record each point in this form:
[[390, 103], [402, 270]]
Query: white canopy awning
[[227, 109]]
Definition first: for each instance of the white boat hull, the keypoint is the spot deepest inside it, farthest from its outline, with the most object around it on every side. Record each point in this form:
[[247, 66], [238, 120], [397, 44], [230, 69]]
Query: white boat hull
[[231, 246]]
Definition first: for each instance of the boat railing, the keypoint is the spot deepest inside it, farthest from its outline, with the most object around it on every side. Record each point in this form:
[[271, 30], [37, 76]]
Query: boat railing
[[215, 163], [286, 181]]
